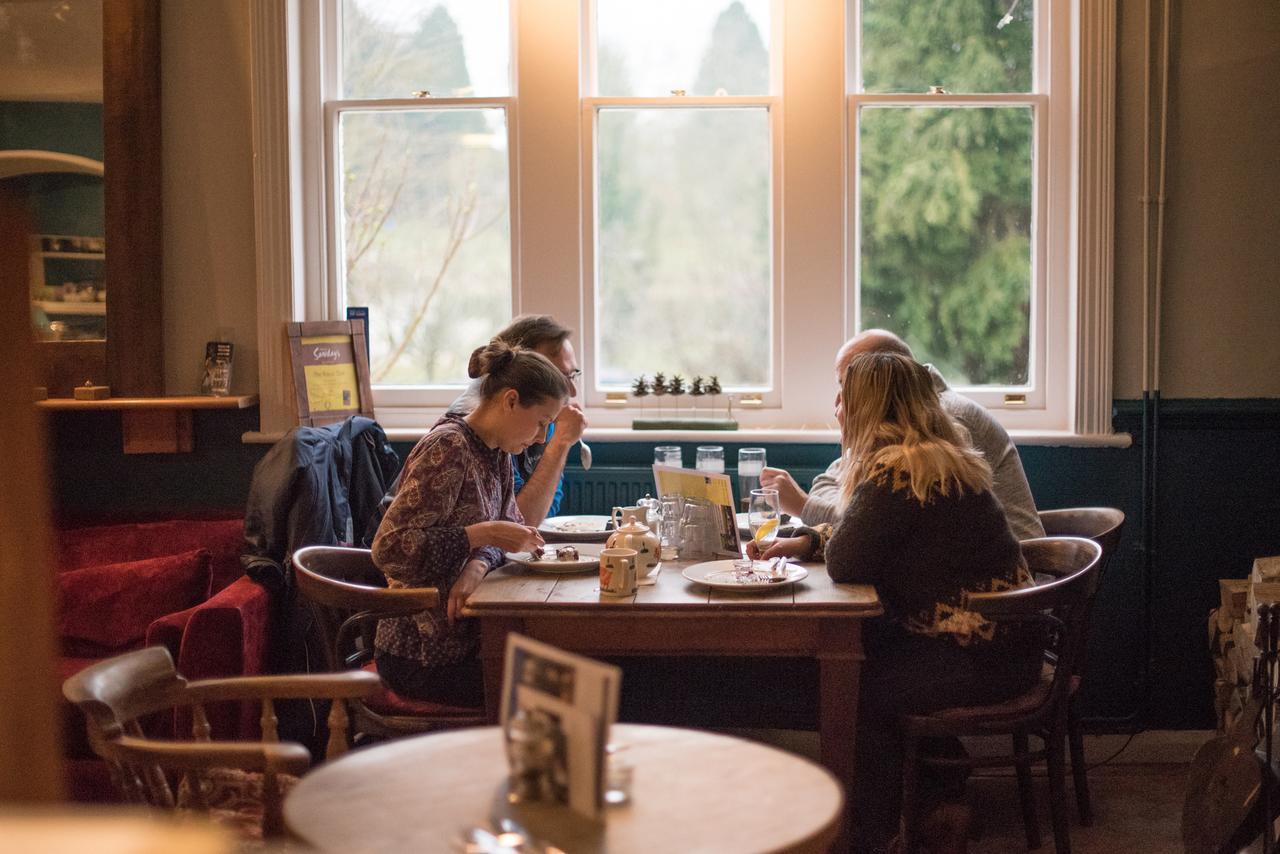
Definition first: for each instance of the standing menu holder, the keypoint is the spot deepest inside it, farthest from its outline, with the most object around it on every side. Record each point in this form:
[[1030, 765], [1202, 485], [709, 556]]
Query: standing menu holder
[[330, 371]]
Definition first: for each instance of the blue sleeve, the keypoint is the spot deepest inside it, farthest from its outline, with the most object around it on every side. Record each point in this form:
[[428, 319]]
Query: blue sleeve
[[554, 509]]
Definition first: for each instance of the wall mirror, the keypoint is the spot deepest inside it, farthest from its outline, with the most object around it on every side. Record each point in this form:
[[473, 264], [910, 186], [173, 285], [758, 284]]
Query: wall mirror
[[80, 139]]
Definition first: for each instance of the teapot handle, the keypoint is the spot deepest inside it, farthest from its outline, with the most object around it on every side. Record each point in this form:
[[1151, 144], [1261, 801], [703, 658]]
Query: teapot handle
[[616, 516]]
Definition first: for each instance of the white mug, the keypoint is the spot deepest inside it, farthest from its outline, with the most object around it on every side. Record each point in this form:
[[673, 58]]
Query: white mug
[[617, 572]]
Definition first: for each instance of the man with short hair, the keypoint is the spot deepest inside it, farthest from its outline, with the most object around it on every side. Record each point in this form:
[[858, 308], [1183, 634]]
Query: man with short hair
[[539, 470], [1009, 480]]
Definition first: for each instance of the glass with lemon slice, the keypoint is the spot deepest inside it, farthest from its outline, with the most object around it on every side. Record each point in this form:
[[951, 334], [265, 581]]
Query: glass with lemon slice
[[762, 516]]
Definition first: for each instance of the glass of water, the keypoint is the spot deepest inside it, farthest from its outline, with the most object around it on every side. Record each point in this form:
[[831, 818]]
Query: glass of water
[[711, 458], [668, 455], [751, 463]]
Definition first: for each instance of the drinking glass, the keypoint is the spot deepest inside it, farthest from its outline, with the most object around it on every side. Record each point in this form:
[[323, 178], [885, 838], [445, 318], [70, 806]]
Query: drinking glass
[[668, 455], [762, 516], [711, 458], [751, 463]]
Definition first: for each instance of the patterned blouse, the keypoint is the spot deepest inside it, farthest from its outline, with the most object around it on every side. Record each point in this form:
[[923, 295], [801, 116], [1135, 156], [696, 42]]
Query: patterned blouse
[[450, 480]]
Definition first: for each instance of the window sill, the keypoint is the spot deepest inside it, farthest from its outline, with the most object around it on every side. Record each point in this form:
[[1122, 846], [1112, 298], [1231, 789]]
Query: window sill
[[824, 436]]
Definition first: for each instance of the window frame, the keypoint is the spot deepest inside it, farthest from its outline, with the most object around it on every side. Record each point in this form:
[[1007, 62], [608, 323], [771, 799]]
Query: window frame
[[813, 311], [1044, 396], [402, 400]]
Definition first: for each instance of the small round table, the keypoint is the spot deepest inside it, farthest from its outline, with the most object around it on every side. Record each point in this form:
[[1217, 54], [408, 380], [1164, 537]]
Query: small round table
[[691, 791]]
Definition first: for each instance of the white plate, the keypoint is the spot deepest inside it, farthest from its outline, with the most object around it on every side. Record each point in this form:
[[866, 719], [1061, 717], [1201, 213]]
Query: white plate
[[720, 575], [744, 525], [576, 524], [588, 558]]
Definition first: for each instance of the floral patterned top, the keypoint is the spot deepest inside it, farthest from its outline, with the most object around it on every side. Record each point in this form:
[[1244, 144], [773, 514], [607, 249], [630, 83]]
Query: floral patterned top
[[450, 480]]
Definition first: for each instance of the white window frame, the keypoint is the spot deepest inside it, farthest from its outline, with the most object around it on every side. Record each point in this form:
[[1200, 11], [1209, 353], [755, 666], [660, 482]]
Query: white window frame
[[1043, 398], [814, 309], [595, 395]]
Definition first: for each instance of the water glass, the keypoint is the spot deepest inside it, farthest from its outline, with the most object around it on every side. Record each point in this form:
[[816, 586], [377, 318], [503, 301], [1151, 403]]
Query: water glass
[[762, 516], [668, 455], [711, 458], [751, 463]]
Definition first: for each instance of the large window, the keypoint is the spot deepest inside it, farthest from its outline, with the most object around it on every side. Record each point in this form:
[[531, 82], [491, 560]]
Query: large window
[[421, 230], [720, 187], [951, 109], [681, 227]]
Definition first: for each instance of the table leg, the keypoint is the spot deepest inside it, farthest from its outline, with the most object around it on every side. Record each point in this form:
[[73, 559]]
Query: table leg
[[493, 648], [839, 668]]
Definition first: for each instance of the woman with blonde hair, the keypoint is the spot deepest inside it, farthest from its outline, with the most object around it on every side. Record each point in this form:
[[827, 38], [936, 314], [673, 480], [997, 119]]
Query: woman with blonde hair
[[920, 523]]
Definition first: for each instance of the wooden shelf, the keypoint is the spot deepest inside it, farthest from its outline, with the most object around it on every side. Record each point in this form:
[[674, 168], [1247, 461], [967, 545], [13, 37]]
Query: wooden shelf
[[194, 401], [154, 425], [88, 309], [82, 256]]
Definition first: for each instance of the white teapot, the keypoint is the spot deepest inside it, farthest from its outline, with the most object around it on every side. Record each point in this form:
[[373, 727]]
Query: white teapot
[[630, 533]]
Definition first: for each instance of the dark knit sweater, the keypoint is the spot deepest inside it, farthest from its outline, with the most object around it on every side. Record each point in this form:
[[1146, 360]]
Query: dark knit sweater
[[923, 557]]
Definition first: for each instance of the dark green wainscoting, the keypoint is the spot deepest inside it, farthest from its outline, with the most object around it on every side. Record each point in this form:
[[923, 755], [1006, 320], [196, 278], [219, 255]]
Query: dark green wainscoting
[[1217, 507]]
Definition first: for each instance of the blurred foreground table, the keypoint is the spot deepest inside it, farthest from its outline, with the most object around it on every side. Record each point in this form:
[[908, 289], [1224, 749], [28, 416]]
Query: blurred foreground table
[[691, 791], [814, 618]]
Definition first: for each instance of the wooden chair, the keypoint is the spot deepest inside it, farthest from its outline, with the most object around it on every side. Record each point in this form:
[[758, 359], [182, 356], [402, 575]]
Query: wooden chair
[[1059, 607], [348, 595], [119, 694], [1103, 525]]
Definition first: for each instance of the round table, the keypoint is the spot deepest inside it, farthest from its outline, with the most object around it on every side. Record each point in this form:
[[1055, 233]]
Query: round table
[[691, 791]]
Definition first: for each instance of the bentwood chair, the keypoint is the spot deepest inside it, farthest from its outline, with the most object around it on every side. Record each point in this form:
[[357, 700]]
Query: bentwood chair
[[348, 596], [241, 783], [1058, 609], [1103, 525]]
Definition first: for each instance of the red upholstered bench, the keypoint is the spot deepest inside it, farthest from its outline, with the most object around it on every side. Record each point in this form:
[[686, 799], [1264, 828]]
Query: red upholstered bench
[[177, 584]]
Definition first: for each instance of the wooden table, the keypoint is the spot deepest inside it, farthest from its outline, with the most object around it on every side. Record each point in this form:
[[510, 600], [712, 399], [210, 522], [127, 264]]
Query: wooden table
[[813, 618], [691, 791]]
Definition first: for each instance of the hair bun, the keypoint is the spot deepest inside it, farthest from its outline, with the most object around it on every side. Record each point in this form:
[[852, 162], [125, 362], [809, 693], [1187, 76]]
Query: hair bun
[[493, 358]]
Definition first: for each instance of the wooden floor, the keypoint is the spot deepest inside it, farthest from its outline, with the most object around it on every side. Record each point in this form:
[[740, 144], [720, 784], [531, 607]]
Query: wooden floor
[[1137, 796]]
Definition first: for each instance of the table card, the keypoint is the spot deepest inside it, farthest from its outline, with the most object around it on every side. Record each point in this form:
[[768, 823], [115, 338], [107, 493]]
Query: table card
[[709, 486], [578, 698]]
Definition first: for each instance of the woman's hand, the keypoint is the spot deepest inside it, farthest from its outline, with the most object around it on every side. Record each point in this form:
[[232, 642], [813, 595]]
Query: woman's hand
[[792, 547], [472, 574], [791, 497], [508, 536]]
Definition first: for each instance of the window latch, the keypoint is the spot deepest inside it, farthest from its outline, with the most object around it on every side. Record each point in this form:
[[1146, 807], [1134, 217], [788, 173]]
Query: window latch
[[677, 92], [1015, 400], [938, 90], [422, 93]]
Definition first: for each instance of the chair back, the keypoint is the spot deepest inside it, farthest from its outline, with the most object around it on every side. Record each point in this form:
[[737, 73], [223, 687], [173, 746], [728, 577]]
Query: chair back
[[348, 595], [1103, 525], [1060, 606], [118, 694]]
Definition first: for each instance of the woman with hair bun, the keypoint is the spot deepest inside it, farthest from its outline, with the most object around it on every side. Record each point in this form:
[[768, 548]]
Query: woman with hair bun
[[454, 516]]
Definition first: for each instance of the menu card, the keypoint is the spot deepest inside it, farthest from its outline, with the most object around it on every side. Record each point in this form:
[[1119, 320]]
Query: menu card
[[580, 697], [708, 486]]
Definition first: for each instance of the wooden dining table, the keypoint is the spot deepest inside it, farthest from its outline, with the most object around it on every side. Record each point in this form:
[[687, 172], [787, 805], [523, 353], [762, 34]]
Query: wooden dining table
[[812, 618], [690, 791]]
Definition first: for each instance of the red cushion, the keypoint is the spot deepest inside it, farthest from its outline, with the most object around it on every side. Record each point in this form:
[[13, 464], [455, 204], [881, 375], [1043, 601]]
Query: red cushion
[[92, 546], [387, 702], [106, 608]]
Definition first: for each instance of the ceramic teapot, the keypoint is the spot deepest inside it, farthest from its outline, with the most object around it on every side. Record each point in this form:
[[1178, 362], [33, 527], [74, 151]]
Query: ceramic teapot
[[629, 533]]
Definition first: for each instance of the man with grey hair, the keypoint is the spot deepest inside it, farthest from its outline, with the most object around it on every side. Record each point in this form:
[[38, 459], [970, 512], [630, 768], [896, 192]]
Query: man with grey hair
[[1009, 480]]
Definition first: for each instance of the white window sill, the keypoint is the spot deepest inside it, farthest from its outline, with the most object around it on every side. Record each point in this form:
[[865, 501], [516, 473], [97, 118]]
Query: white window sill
[[1049, 438]]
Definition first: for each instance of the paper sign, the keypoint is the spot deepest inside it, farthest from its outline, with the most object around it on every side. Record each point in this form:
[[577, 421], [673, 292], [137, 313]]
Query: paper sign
[[579, 696], [709, 486], [328, 364]]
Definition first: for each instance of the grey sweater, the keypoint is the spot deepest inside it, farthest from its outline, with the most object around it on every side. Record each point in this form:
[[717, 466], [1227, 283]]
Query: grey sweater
[[1010, 481]]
